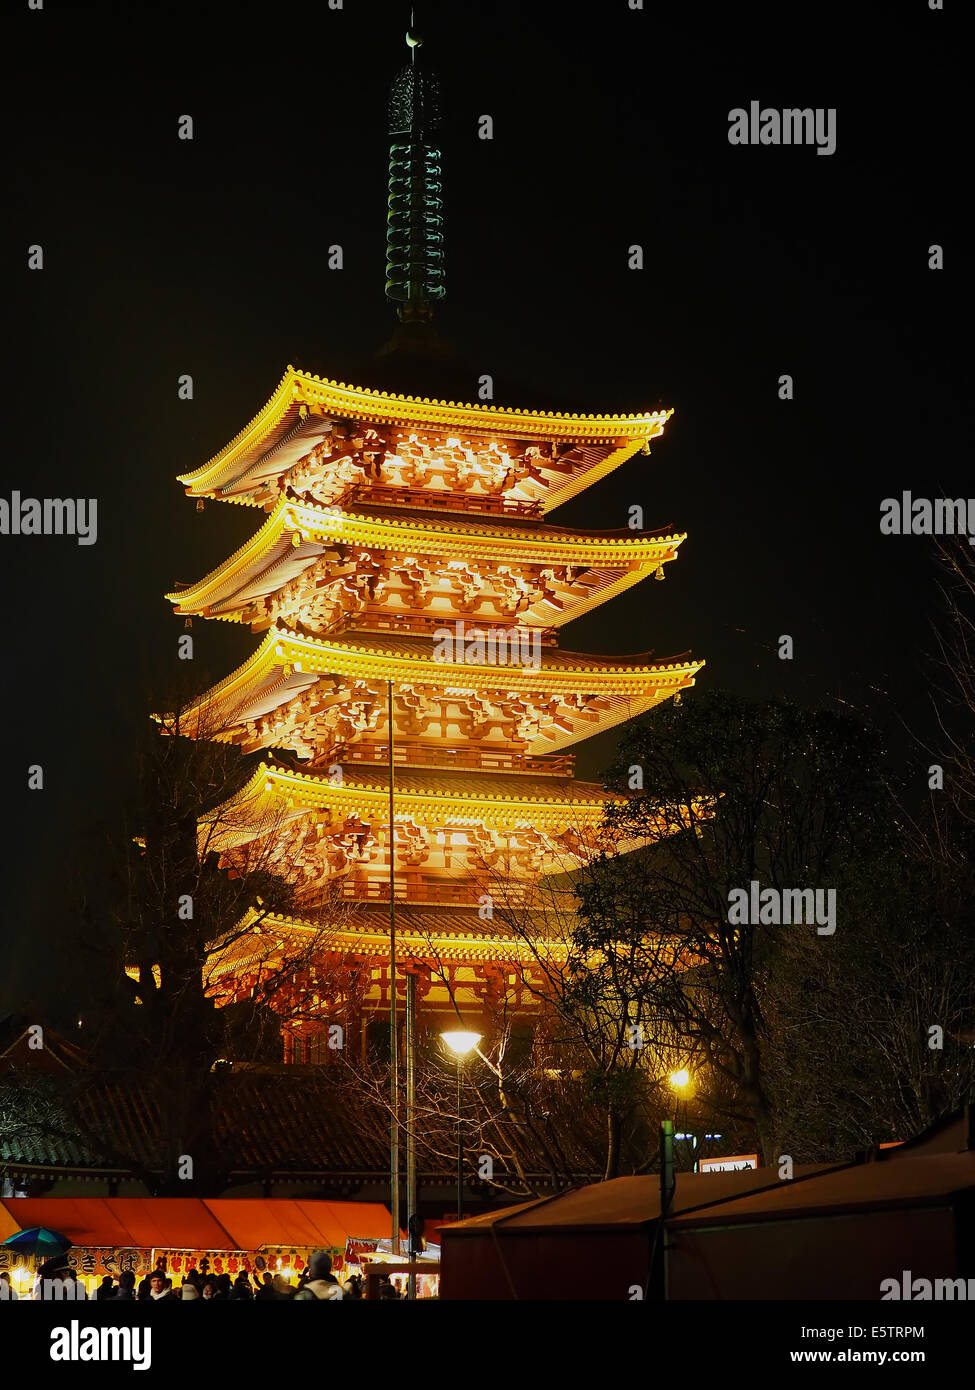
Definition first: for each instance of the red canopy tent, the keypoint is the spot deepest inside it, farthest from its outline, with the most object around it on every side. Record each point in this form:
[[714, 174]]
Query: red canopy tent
[[118, 1232], [838, 1236], [137, 1223], [592, 1243]]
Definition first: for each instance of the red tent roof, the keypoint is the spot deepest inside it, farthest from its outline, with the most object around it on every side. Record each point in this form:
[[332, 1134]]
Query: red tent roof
[[927, 1180], [275, 1221], [626, 1203], [142, 1222], [189, 1223]]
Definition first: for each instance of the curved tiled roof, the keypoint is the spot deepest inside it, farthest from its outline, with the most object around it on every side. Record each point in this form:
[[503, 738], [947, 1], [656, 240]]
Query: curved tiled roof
[[278, 1122], [609, 439]]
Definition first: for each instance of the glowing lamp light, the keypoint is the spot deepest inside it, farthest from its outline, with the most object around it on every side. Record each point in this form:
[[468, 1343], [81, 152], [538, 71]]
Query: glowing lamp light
[[680, 1079], [460, 1043]]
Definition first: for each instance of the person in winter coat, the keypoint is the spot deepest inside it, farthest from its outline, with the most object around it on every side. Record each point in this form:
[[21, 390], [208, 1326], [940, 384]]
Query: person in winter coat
[[265, 1290], [145, 1286], [322, 1283], [160, 1287], [189, 1290], [106, 1289], [58, 1279], [242, 1288], [126, 1287]]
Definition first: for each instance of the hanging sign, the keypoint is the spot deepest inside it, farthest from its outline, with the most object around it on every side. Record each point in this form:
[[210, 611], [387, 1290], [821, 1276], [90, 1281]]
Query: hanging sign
[[728, 1165], [216, 1261], [88, 1260]]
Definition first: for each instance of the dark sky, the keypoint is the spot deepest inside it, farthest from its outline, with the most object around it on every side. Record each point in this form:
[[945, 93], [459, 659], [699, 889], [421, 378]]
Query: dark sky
[[208, 257]]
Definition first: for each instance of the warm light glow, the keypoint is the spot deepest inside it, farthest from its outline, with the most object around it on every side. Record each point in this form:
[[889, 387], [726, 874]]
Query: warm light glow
[[680, 1079], [472, 484]]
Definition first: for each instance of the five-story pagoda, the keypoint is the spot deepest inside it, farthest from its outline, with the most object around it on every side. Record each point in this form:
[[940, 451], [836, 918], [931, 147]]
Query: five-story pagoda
[[409, 591]]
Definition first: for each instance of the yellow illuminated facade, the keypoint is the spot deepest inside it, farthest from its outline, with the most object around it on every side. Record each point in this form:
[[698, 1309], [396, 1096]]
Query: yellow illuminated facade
[[405, 563]]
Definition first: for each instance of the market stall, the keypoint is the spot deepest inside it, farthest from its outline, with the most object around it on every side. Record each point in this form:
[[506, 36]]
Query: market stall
[[109, 1235], [383, 1260]]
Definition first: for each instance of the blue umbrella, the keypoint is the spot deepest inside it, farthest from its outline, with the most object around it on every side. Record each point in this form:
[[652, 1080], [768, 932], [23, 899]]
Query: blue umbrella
[[38, 1241]]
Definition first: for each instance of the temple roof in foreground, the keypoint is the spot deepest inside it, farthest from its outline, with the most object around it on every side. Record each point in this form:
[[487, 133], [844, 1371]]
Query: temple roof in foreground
[[271, 1125]]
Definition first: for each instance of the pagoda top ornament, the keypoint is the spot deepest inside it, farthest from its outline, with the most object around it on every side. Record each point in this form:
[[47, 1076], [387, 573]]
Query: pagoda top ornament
[[414, 237]]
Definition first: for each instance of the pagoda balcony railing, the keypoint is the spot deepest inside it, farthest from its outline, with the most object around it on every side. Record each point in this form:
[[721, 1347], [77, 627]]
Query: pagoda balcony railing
[[411, 754], [413, 888], [429, 623], [485, 504]]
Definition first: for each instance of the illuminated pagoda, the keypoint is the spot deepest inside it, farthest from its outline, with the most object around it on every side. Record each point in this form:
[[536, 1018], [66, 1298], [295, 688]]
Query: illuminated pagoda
[[406, 562]]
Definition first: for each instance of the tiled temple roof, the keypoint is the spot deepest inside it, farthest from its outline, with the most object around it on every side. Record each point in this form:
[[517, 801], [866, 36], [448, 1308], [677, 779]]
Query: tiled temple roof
[[277, 1124]]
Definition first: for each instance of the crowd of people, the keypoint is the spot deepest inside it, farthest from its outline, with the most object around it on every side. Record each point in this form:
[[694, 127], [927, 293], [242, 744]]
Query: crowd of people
[[316, 1282]]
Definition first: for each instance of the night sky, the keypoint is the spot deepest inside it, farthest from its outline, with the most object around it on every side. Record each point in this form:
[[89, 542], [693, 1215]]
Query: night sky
[[165, 257]]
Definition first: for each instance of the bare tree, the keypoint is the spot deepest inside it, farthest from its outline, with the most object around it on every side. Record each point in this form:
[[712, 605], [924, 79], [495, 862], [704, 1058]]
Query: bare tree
[[725, 793], [873, 1040], [207, 963], [598, 1034]]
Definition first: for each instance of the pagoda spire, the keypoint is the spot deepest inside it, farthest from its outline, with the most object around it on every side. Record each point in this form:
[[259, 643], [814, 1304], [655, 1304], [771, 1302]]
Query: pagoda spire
[[414, 237]]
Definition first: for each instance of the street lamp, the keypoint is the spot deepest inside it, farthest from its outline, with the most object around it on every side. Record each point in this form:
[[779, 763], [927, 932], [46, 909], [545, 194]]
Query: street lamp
[[460, 1044], [680, 1084], [679, 1081]]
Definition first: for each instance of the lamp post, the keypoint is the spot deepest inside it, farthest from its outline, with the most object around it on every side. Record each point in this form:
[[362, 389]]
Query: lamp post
[[460, 1044], [393, 1027], [412, 1216], [679, 1082]]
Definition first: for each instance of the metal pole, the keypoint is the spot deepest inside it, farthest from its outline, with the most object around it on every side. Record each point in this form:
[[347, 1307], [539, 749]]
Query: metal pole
[[668, 1183], [411, 1213], [666, 1166], [393, 1030], [460, 1151]]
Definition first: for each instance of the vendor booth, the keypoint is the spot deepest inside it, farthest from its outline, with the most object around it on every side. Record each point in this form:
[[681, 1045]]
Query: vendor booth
[[112, 1234], [592, 1243]]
